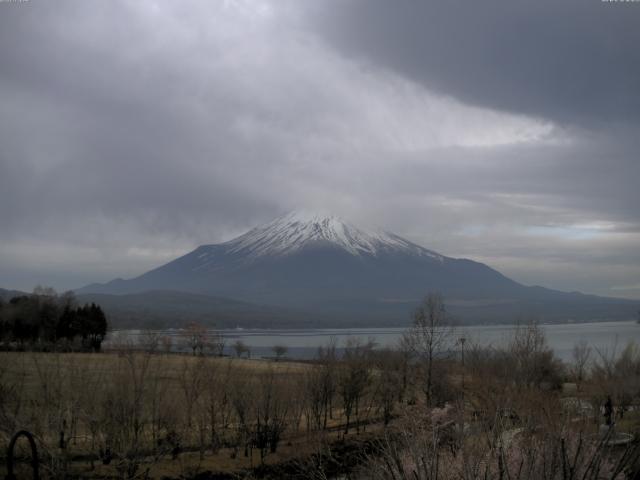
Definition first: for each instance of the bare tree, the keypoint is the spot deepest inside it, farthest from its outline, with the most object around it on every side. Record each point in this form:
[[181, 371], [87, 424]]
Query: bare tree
[[158, 402], [192, 380], [387, 381], [167, 343], [195, 336], [216, 400], [149, 341], [241, 348], [430, 336], [42, 291], [531, 360], [123, 413], [242, 400], [581, 354], [314, 398], [616, 376], [216, 343], [404, 354], [271, 412], [328, 361], [353, 379], [279, 351]]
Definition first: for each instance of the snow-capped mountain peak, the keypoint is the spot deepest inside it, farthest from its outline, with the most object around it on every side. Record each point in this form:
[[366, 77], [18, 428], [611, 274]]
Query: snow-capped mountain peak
[[298, 229]]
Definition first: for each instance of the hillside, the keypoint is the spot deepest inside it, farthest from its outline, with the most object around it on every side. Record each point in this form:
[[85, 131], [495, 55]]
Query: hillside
[[172, 309]]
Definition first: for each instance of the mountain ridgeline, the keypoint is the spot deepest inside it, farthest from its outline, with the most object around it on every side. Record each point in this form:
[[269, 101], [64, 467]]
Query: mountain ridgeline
[[317, 270]]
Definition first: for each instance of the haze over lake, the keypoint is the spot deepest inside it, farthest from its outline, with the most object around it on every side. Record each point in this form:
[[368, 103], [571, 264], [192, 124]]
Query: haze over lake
[[602, 336]]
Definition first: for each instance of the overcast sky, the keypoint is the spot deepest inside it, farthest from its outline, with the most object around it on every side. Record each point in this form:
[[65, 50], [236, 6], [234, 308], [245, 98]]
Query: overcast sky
[[503, 131]]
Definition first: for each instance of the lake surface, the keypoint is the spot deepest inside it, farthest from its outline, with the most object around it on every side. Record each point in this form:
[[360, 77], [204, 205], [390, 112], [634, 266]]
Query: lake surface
[[604, 336]]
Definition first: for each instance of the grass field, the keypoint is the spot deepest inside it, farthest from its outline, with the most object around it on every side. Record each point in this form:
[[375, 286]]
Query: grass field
[[131, 414], [152, 406]]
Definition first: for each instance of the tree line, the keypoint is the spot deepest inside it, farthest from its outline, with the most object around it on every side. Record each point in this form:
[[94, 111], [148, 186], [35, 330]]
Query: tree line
[[45, 320]]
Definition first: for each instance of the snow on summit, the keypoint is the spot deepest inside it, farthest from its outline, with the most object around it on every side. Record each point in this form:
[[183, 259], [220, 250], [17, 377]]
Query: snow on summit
[[291, 232]]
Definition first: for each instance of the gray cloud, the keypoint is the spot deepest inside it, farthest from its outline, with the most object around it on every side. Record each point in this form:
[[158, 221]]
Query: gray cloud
[[573, 61], [138, 130]]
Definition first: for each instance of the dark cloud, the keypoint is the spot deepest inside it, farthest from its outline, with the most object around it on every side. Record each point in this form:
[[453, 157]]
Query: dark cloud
[[134, 131], [573, 61]]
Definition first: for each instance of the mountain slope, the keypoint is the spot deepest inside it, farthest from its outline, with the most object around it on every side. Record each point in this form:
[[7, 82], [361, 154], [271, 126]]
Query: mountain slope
[[322, 264], [300, 258], [165, 308], [7, 295]]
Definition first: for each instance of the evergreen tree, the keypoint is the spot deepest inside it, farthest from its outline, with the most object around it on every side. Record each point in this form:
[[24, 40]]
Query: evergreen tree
[[97, 327], [68, 324], [47, 317]]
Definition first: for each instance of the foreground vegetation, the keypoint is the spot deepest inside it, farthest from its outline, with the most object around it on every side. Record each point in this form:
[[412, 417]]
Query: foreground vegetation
[[436, 407]]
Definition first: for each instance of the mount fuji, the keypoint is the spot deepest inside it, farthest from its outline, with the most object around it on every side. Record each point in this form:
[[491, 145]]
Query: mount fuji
[[323, 267]]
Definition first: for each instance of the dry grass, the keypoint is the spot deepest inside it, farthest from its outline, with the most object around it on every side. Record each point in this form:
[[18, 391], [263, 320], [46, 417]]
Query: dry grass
[[18, 364], [46, 393]]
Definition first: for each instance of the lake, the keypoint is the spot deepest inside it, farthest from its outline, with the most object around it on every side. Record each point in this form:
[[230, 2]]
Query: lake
[[604, 336]]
